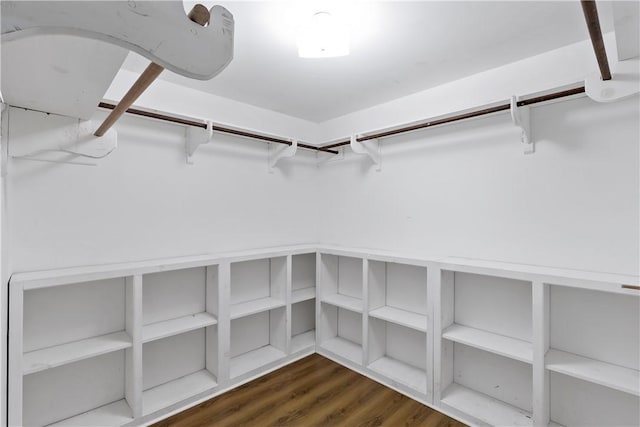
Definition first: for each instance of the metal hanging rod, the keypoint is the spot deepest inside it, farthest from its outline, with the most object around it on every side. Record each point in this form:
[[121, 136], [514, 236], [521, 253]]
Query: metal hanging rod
[[216, 128], [595, 32], [464, 116]]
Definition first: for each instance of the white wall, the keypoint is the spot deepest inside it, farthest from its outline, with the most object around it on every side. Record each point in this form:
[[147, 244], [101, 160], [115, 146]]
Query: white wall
[[468, 190], [143, 201]]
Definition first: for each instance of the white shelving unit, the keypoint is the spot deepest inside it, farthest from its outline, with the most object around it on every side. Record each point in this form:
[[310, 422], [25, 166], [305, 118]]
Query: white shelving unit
[[179, 335], [397, 323], [489, 343], [486, 350], [593, 357], [258, 314], [74, 338], [340, 307]]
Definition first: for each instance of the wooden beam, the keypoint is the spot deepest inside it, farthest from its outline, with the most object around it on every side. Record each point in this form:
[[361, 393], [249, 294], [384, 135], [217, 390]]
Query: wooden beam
[[595, 32]]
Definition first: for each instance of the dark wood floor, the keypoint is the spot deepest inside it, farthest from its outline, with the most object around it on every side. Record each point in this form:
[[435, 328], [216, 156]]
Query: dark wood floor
[[313, 391]]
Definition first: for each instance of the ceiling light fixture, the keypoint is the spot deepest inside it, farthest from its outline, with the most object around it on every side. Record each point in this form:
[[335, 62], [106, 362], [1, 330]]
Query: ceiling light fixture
[[323, 37]]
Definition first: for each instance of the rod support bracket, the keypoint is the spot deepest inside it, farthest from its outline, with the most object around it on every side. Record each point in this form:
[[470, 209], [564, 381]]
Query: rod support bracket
[[276, 155], [370, 148], [625, 82], [521, 118], [195, 137]]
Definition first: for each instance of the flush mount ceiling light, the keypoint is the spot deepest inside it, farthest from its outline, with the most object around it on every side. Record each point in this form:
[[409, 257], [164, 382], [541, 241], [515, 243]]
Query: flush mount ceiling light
[[323, 37]]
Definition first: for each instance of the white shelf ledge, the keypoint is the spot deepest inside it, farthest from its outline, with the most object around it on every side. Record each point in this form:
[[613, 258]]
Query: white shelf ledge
[[485, 408], [167, 328], [256, 306], [488, 341], [401, 317], [401, 372], [594, 371], [51, 357], [303, 341], [344, 348], [167, 394], [303, 294], [247, 362], [343, 301], [114, 414]]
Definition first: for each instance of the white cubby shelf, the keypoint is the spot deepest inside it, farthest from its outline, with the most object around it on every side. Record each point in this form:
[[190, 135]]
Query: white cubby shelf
[[487, 342]]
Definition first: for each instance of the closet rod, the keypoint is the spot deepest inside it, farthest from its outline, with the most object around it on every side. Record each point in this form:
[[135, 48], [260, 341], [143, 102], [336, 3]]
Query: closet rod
[[216, 128], [464, 116], [595, 32]]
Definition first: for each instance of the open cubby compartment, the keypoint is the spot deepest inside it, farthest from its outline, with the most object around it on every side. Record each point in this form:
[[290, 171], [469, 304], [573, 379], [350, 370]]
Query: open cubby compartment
[[89, 392], [399, 354], [179, 367], [341, 281], [593, 357], [341, 333], [398, 294], [490, 313], [303, 325], [303, 277], [258, 286], [179, 301], [485, 387], [76, 346], [258, 342]]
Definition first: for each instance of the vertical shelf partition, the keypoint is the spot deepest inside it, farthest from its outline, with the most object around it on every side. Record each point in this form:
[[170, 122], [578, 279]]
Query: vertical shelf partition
[[303, 302]]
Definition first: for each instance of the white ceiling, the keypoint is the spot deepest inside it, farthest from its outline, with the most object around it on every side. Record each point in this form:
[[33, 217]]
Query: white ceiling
[[397, 48]]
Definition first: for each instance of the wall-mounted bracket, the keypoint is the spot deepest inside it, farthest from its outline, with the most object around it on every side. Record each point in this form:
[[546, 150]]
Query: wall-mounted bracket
[[521, 118], [625, 81], [196, 137], [276, 155], [70, 143], [370, 148]]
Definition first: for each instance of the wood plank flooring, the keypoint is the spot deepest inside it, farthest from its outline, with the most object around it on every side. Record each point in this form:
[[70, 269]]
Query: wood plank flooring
[[313, 391]]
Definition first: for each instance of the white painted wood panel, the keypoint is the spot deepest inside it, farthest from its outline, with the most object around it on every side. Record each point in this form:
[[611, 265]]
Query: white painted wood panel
[[594, 371], [303, 317], [249, 333], [406, 345], [343, 301], [485, 408], [303, 294], [350, 277], [255, 306], [597, 325], [498, 377], [176, 326], [173, 294], [113, 414], [173, 357], [350, 325], [407, 287], [344, 348], [575, 402], [401, 372], [254, 359], [51, 357], [494, 343], [401, 317], [70, 313], [303, 341], [494, 304], [164, 395], [250, 280], [303, 271], [56, 394]]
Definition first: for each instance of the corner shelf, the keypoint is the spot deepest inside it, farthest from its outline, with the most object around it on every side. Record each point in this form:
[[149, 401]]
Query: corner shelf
[[303, 341], [167, 328], [488, 341], [344, 301], [46, 358], [401, 372], [254, 359], [594, 371], [303, 294], [174, 391], [401, 317], [484, 408], [114, 414]]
